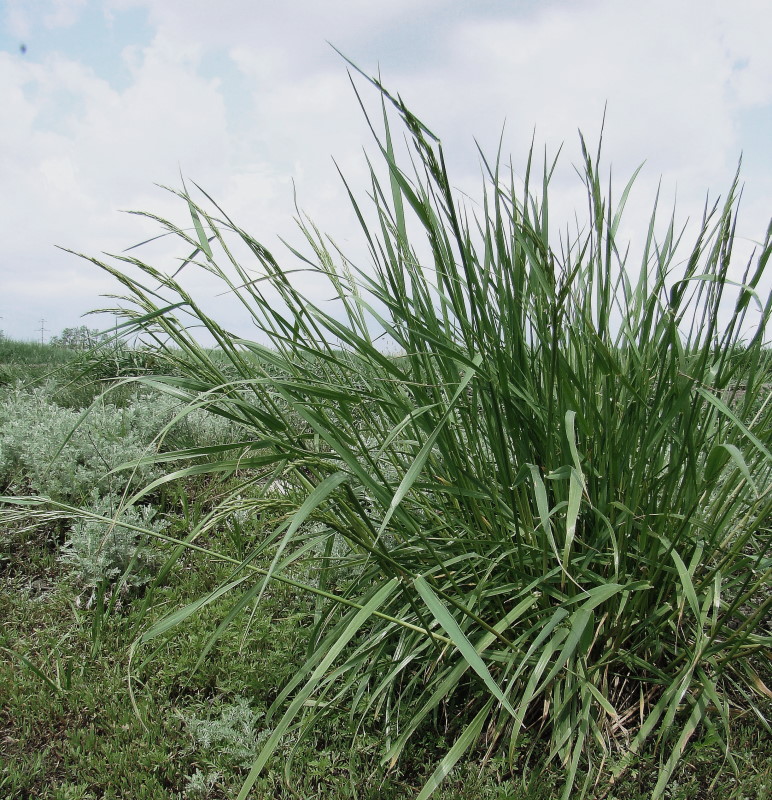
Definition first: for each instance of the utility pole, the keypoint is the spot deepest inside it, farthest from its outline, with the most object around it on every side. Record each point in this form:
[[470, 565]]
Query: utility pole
[[42, 330]]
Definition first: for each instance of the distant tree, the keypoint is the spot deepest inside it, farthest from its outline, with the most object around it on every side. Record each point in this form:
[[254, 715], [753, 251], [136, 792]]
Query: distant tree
[[81, 338]]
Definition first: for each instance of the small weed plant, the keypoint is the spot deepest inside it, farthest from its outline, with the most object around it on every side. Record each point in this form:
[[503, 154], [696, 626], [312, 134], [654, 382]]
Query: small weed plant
[[234, 736], [107, 546]]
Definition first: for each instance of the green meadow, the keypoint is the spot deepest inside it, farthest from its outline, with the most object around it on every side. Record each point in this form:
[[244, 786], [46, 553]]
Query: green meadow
[[493, 522]]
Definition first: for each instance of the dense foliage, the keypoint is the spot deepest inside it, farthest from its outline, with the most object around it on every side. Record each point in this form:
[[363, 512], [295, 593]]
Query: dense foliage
[[546, 522]]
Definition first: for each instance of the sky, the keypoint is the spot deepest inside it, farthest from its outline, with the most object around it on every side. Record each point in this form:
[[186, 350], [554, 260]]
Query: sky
[[103, 103]]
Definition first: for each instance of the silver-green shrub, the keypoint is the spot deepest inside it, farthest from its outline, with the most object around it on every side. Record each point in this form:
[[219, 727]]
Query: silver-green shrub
[[63, 454], [102, 553], [52, 451], [200, 785], [234, 735]]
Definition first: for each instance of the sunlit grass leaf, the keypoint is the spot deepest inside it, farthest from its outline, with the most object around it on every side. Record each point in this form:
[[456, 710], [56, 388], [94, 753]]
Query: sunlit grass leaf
[[353, 627]]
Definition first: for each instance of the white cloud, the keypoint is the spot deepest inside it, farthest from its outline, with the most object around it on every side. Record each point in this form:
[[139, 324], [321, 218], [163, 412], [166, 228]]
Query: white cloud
[[745, 34], [673, 74], [17, 18], [70, 176], [300, 28], [64, 13], [76, 145], [22, 16]]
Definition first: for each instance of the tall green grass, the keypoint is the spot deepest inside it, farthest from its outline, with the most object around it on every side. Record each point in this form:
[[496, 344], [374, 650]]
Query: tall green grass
[[29, 360], [547, 522]]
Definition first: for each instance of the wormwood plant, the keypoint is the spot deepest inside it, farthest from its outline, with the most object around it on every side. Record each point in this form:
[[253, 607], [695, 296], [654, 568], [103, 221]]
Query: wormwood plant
[[558, 493], [234, 735], [102, 552], [54, 451], [65, 454]]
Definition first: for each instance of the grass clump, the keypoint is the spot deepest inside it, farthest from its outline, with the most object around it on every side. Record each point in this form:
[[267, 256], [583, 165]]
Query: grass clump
[[557, 497], [30, 361]]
